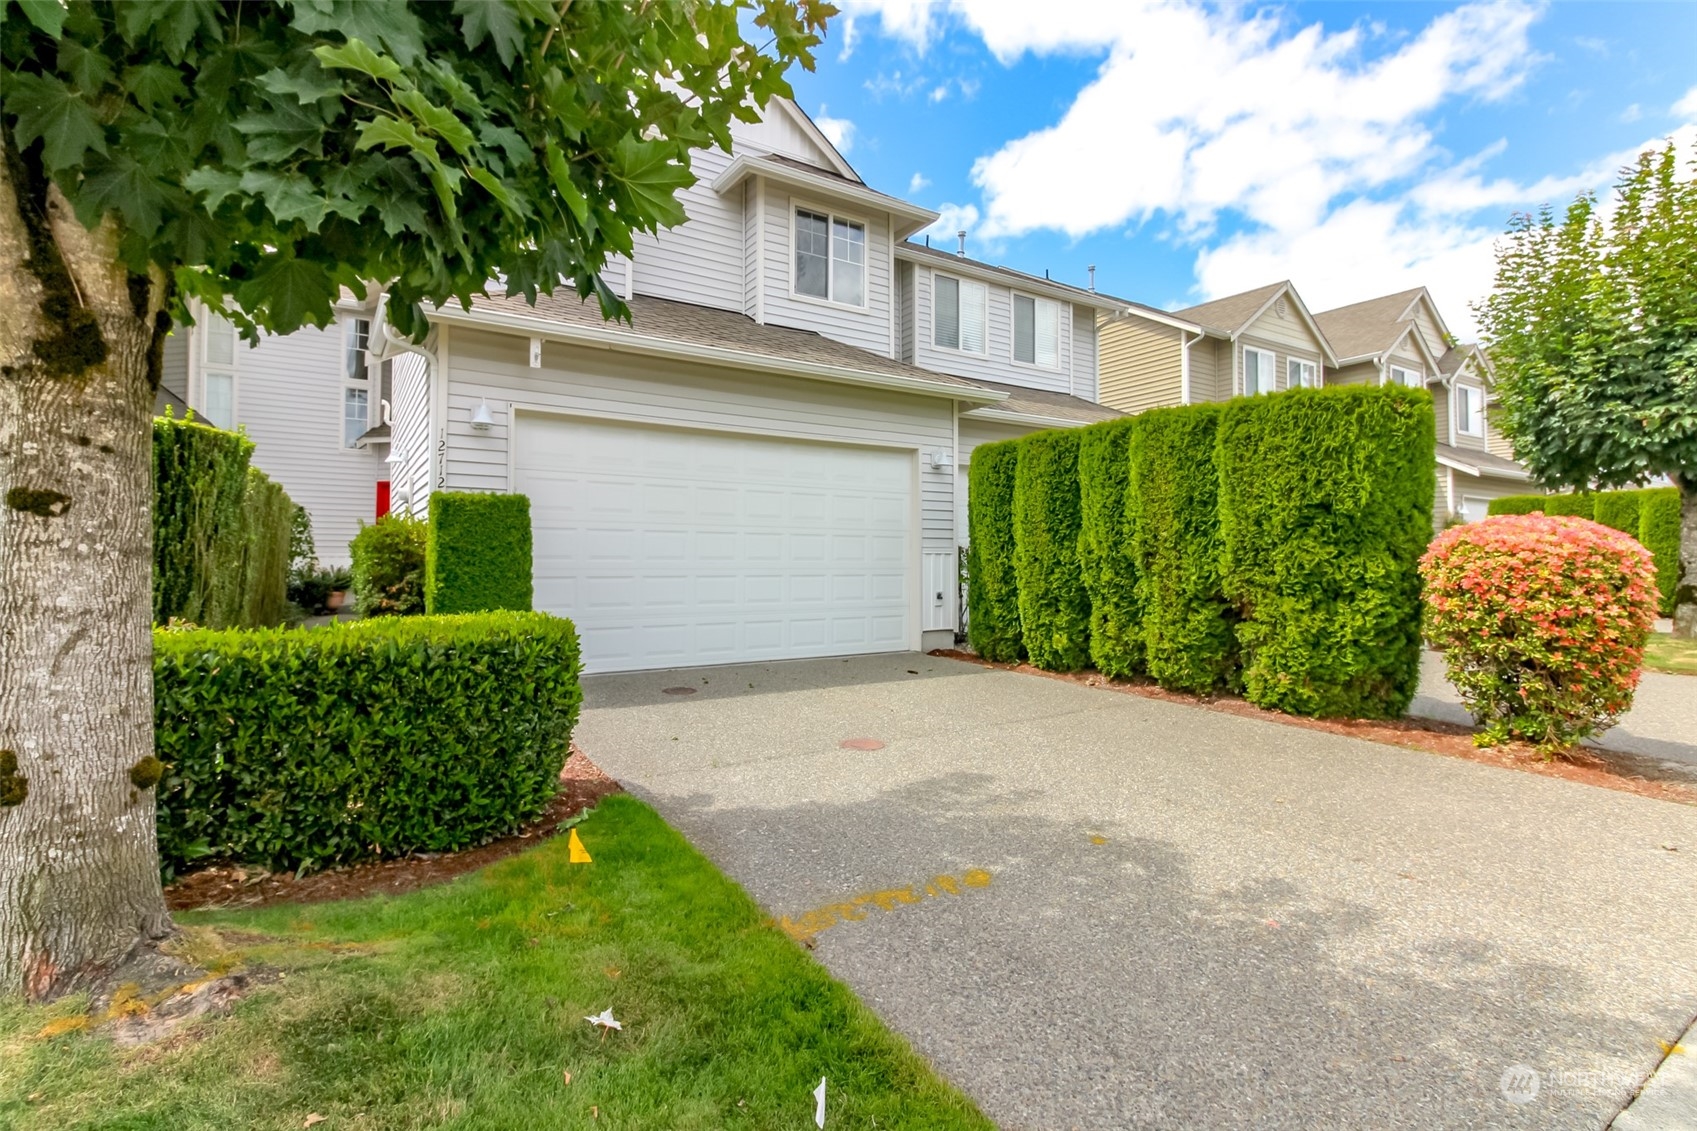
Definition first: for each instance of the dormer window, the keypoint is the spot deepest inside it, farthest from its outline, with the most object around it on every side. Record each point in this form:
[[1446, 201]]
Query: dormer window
[[958, 314], [1409, 377], [830, 257], [1037, 331]]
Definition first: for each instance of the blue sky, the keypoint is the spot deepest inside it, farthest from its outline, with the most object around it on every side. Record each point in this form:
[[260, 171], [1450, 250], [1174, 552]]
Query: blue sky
[[1190, 151]]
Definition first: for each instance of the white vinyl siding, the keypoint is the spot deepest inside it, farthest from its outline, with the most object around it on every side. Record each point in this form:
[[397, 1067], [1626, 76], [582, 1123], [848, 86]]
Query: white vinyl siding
[[1084, 375], [701, 260], [867, 326], [409, 442], [1036, 332], [1258, 370], [960, 314]]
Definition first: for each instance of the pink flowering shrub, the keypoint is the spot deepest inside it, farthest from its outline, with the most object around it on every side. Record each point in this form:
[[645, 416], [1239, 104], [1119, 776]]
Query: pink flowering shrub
[[1542, 622]]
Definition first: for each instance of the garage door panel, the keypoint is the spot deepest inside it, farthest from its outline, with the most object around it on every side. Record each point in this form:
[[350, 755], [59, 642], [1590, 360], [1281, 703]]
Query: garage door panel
[[767, 549]]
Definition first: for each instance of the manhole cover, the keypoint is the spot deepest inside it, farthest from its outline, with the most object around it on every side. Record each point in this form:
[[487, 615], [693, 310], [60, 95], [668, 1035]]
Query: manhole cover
[[677, 691], [861, 744]]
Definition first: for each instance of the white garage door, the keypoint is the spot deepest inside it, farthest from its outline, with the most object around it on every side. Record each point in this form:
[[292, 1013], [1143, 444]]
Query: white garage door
[[670, 548]]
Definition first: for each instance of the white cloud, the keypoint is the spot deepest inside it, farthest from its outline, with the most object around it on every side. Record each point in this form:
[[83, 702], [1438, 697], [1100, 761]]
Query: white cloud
[[912, 20], [838, 131], [851, 38], [951, 220], [1686, 107], [918, 183], [939, 93], [1632, 113], [894, 84]]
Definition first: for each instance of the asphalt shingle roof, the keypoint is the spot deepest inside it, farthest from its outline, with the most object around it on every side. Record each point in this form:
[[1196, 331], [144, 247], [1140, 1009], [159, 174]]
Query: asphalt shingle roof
[[1364, 329], [1229, 314], [1484, 461], [1056, 406], [1015, 278]]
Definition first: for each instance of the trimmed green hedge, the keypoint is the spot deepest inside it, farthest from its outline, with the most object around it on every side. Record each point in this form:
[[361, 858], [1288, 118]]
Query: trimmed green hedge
[[1325, 509], [477, 553], [221, 530], [992, 595], [1518, 504], [388, 567], [1105, 549], [299, 748], [1579, 505], [1658, 532], [1054, 609], [1618, 510], [1173, 521]]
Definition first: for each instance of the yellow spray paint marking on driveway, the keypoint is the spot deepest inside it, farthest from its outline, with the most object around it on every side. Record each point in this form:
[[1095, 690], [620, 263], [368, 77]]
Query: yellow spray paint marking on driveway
[[856, 908]]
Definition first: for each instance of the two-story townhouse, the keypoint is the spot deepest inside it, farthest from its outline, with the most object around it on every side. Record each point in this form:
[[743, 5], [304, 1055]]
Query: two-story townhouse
[[1259, 341], [755, 467]]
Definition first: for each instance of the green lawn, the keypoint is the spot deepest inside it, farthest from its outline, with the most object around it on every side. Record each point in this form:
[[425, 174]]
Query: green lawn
[[463, 1006], [1665, 654]]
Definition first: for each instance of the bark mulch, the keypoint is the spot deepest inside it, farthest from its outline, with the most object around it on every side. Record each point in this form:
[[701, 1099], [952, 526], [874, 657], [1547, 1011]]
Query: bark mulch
[[582, 785], [1609, 769]]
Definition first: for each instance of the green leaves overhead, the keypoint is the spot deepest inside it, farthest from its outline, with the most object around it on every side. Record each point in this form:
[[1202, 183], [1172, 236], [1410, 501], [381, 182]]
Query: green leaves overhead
[[269, 153]]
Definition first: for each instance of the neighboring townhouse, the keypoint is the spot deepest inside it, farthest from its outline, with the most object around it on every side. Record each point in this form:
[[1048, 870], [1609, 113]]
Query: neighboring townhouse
[[1260, 341], [766, 462], [1396, 339]]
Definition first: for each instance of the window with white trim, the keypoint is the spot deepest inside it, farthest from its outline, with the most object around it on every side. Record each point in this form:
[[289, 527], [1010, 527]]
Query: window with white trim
[[1257, 371], [1301, 374], [958, 313], [218, 372], [830, 257], [1412, 378], [356, 381], [1037, 331], [1469, 410]]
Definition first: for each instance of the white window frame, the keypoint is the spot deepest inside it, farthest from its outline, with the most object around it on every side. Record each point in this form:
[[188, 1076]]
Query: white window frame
[[832, 219], [1038, 305], [984, 310], [1468, 408], [1406, 377], [1272, 370], [350, 383], [1306, 375], [214, 323]]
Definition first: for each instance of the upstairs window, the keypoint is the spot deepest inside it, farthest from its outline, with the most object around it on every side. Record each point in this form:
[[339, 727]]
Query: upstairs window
[[1301, 374], [957, 314], [1257, 371], [1469, 410], [218, 372], [830, 257], [356, 382], [1037, 331], [1409, 377]]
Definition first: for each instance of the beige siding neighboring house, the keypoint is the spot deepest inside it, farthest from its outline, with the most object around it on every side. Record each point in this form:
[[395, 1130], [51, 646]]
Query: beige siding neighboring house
[[1142, 363], [1391, 339]]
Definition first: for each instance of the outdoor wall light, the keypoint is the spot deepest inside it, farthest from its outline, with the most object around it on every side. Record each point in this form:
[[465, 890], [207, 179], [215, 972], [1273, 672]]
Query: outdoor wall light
[[942, 460], [481, 418]]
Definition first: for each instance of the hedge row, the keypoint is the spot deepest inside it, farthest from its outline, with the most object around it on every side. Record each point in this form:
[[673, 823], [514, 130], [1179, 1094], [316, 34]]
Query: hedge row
[[992, 595], [388, 567], [477, 553], [1651, 515], [1272, 543], [300, 748], [221, 530]]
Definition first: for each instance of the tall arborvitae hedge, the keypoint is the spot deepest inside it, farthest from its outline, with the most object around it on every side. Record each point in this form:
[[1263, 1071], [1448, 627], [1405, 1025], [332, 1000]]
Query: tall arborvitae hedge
[[1054, 609], [1105, 547], [1173, 518], [268, 516], [1618, 510], [1658, 531], [1517, 504], [1579, 505], [1325, 509], [199, 489], [992, 595]]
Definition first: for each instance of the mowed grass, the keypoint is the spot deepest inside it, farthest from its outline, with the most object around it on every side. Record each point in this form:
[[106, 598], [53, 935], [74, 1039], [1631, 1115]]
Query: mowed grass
[[1666, 654], [463, 1006]]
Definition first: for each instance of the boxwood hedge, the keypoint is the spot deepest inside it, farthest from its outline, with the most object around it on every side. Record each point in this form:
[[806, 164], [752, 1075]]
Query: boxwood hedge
[[1054, 609], [1325, 509], [477, 553], [298, 748], [1105, 549], [1173, 520], [992, 596]]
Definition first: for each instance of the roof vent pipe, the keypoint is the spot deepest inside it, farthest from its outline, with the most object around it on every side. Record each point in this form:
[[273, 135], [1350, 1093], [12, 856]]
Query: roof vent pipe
[[961, 236], [1092, 278]]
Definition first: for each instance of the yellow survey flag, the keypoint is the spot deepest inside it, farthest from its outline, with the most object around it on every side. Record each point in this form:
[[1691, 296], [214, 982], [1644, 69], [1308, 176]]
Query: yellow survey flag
[[579, 854]]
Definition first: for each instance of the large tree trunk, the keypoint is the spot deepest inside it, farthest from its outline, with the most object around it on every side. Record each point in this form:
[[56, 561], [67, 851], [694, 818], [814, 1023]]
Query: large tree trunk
[[79, 334], [1685, 590]]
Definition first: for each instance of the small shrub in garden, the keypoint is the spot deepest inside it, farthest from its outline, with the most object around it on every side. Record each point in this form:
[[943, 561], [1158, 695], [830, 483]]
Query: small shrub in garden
[[477, 553], [1054, 609], [1542, 622], [388, 567], [992, 595], [1105, 549], [307, 747]]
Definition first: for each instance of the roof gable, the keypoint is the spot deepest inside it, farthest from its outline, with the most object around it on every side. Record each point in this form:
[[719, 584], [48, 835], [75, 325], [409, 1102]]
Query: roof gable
[[1229, 315], [786, 131]]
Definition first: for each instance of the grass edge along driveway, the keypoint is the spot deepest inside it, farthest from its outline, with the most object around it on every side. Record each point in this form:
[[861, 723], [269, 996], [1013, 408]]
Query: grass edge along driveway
[[463, 1006]]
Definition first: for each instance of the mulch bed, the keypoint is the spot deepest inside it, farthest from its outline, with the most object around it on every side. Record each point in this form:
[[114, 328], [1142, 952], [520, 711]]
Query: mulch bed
[[582, 784], [1609, 769]]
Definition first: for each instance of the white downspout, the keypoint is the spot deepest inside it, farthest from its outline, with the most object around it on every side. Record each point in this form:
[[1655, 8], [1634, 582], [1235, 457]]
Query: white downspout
[[1186, 341]]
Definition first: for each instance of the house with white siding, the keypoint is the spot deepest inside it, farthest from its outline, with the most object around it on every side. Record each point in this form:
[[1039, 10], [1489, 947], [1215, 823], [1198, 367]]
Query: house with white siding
[[765, 463]]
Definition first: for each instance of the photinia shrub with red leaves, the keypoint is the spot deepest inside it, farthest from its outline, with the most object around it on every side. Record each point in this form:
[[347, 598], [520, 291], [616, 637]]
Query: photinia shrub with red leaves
[[1542, 622]]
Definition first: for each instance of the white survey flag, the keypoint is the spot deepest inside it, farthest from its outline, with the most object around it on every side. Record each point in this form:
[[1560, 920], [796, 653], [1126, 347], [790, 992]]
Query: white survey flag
[[819, 1111]]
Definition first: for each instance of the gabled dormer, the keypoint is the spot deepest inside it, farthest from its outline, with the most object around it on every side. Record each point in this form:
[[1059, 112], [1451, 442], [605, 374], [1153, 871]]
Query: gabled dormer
[[1393, 339]]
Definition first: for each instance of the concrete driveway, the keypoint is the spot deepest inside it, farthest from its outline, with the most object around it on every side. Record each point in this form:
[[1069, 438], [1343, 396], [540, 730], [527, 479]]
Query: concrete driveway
[[1093, 910]]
